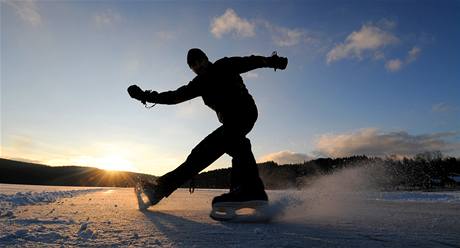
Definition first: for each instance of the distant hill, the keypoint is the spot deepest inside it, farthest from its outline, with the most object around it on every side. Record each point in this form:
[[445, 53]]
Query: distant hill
[[18, 172], [424, 171]]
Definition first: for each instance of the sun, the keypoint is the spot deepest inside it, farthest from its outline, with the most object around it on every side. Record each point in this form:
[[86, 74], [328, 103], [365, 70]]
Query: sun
[[115, 163]]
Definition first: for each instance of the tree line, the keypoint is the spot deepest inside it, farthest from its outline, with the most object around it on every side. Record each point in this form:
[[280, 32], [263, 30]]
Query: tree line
[[424, 171]]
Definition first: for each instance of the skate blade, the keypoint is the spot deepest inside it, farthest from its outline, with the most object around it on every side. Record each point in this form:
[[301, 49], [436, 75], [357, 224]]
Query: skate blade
[[256, 211], [239, 205], [142, 200]]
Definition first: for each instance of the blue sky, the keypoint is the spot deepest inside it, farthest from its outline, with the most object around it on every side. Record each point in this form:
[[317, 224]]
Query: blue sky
[[364, 77]]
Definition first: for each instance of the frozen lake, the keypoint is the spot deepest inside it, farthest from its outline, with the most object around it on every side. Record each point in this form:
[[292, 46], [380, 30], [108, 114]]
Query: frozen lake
[[96, 217]]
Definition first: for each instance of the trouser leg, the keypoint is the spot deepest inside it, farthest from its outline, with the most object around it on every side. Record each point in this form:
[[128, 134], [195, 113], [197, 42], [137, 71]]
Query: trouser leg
[[244, 167], [204, 154], [245, 173]]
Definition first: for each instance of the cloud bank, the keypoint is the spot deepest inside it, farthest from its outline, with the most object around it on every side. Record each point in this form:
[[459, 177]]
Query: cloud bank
[[371, 142], [286, 157]]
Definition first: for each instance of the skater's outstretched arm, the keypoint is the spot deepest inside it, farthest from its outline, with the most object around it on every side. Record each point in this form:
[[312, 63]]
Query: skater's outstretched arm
[[245, 64], [182, 94]]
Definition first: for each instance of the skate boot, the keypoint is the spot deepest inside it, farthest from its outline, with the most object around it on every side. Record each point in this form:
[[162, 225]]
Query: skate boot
[[241, 205], [148, 193]]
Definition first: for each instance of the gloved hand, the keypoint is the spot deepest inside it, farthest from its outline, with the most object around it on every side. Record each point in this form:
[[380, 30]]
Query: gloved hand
[[137, 93], [277, 62], [142, 95]]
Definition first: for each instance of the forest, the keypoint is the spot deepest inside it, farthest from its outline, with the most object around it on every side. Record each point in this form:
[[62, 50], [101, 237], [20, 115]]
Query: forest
[[424, 171]]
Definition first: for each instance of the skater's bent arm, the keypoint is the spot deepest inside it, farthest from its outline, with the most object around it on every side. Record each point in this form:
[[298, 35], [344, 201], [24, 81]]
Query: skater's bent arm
[[245, 64], [249, 63], [182, 94]]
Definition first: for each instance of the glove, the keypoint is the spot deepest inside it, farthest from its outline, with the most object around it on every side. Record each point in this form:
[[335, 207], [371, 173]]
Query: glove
[[137, 93], [142, 95], [277, 62]]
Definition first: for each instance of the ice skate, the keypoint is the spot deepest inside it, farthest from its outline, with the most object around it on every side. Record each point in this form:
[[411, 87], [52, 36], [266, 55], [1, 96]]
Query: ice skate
[[241, 206], [147, 194]]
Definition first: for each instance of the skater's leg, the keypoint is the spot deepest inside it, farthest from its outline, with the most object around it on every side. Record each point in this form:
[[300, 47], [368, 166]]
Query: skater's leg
[[204, 154], [247, 187], [244, 167]]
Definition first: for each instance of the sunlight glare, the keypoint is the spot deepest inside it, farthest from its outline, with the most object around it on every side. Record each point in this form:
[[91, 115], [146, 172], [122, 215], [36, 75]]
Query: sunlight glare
[[109, 162], [115, 163]]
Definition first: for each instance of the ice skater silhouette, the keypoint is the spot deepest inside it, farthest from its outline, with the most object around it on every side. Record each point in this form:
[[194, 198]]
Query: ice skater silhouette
[[222, 89]]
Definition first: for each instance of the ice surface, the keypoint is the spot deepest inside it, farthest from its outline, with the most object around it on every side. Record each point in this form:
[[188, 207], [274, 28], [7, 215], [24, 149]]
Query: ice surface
[[11, 189], [452, 197], [308, 218]]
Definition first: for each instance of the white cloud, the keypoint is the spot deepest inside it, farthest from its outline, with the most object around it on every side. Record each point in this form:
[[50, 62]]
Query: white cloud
[[107, 17], [413, 54], [371, 142], [394, 65], [28, 11], [441, 107], [369, 38], [369, 42], [230, 22], [285, 37], [286, 157]]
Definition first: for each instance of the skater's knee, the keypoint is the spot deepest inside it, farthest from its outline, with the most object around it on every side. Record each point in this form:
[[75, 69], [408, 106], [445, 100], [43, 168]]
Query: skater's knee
[[205, 154], [200, 150], [238, 146], [193, 156], [244, 144]]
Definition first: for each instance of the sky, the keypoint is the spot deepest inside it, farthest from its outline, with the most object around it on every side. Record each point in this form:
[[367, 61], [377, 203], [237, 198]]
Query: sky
[[378, 78]]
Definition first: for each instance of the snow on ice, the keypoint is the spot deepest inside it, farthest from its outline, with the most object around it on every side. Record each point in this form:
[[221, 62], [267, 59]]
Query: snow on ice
[[29, 198]]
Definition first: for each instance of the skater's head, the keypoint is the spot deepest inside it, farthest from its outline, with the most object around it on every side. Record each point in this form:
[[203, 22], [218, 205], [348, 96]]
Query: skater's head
[[197, 60]]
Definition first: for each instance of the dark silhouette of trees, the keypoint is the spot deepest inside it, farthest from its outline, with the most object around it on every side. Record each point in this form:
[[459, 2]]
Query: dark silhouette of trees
[[425, 171]]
